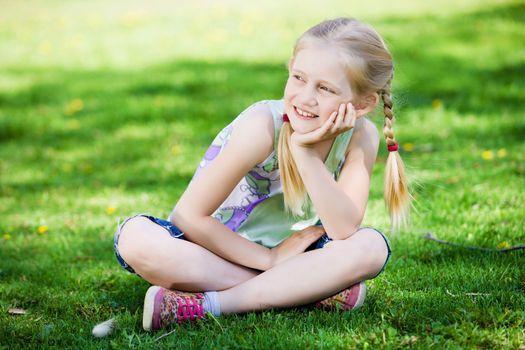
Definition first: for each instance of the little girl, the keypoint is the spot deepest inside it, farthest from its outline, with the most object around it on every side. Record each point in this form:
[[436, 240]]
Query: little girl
[[271, 218]]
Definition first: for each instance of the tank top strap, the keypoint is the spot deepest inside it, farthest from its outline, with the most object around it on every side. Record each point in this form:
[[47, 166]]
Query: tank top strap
[[277, 108], [336, 157]]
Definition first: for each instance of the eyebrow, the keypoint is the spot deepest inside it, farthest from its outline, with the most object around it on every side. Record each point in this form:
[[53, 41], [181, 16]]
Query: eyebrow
[[322, 81]]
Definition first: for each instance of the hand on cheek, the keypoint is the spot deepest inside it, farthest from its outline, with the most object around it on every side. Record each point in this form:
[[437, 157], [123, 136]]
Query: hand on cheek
[[347, 115], [339, 122]]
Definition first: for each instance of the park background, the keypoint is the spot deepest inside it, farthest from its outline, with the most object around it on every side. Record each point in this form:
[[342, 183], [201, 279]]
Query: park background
[[107, 107]]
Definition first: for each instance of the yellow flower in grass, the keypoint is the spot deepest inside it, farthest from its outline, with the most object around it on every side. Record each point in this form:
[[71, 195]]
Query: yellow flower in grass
[[6, 237], [110, 210], [501, 153], [42, 229], [503, 245], [176, 150], [437, 103], [74, 106], [408, 147], [487, 155]]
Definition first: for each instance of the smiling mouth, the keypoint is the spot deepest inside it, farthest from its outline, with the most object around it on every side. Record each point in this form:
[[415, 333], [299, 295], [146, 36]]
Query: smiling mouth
[[304, 114]]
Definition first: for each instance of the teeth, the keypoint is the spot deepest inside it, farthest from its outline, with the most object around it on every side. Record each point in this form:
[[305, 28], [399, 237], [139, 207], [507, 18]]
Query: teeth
[[304, 114]]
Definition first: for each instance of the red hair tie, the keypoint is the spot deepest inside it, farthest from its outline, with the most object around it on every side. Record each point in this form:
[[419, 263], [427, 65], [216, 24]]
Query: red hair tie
[[392, 148], [285, 118]]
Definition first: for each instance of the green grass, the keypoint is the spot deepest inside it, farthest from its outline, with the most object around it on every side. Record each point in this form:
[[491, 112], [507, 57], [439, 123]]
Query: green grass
[[112, 106]]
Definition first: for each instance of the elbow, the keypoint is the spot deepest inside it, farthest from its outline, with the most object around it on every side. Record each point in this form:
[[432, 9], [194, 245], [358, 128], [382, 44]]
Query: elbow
[[344, 223], [343, 234], [344, 231], [175, 216], [183, 221]]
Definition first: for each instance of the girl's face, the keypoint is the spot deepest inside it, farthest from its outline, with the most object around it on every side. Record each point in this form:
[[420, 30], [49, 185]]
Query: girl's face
[[316, 87]]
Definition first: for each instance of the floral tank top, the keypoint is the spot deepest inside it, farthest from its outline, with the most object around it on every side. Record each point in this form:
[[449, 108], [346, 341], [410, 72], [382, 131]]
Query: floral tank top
[[255, 207]]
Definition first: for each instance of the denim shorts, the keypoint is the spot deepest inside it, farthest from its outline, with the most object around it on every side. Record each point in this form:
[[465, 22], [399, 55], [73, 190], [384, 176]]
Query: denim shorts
[[175, 232]]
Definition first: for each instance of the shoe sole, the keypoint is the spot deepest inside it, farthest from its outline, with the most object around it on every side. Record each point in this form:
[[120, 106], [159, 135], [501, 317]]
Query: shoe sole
[[149, 308]]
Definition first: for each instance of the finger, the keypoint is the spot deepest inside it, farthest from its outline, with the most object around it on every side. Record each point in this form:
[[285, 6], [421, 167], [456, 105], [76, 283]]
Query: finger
[[311, 238], [329, 123], [343, 115], [319, 133], [342, 112], [340, 118], [317, 234], [312, 231], [351, 116]]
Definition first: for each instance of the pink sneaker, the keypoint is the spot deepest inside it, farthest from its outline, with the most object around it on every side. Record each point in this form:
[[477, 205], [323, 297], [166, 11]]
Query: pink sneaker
[[348, 299], [163, 307]]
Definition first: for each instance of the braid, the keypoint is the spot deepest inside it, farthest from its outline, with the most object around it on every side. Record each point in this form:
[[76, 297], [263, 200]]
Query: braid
[[397, 196], [294, 192], [389, 115]]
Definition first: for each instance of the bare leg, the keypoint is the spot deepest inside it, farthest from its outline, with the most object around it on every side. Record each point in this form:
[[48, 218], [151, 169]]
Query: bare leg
[[175, 263], [316, 274]]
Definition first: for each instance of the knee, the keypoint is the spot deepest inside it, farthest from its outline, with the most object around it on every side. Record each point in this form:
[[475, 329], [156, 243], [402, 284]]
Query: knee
[[134, 243], [372, 249]]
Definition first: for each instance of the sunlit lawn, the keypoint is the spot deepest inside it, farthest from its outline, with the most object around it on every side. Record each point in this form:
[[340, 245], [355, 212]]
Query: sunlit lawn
[[106, 109]]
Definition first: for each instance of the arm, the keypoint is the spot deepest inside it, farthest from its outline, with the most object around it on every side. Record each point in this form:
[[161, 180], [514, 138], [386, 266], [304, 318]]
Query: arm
[[341, 205], [250, 143]]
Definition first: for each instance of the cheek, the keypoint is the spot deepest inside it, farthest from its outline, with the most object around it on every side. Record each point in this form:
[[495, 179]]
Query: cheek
[[327, 110], [332, 106], [288, 89]]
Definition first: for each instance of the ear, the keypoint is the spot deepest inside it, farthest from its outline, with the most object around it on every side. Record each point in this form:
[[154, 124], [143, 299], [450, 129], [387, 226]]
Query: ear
[[366, 104]]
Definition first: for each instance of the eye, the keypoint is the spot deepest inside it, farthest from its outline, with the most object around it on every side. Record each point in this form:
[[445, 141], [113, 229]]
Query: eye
[[298, 77], [327, 89]]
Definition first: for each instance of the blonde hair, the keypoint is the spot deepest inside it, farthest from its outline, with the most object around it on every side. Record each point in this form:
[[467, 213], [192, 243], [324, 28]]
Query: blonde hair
[[369, 69]]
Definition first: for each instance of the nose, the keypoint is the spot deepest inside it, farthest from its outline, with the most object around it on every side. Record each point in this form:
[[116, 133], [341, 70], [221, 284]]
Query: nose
[[307, 96]]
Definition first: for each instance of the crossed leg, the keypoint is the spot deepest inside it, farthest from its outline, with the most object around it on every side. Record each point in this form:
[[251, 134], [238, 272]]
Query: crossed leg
[[183, 265], [316, 275], [176, 263]]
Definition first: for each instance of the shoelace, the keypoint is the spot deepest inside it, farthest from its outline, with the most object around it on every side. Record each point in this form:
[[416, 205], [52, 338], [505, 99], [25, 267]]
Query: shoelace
[[188, 308]]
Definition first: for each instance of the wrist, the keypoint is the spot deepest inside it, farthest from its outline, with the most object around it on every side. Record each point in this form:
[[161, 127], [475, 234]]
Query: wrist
[[301, 150]]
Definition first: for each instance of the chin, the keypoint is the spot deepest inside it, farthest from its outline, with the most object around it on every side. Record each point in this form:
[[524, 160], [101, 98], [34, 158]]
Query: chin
[[300, 128]]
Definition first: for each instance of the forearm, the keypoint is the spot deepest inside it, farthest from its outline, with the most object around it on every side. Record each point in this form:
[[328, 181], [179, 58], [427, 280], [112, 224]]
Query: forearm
[[219, 239], [339, 215]]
